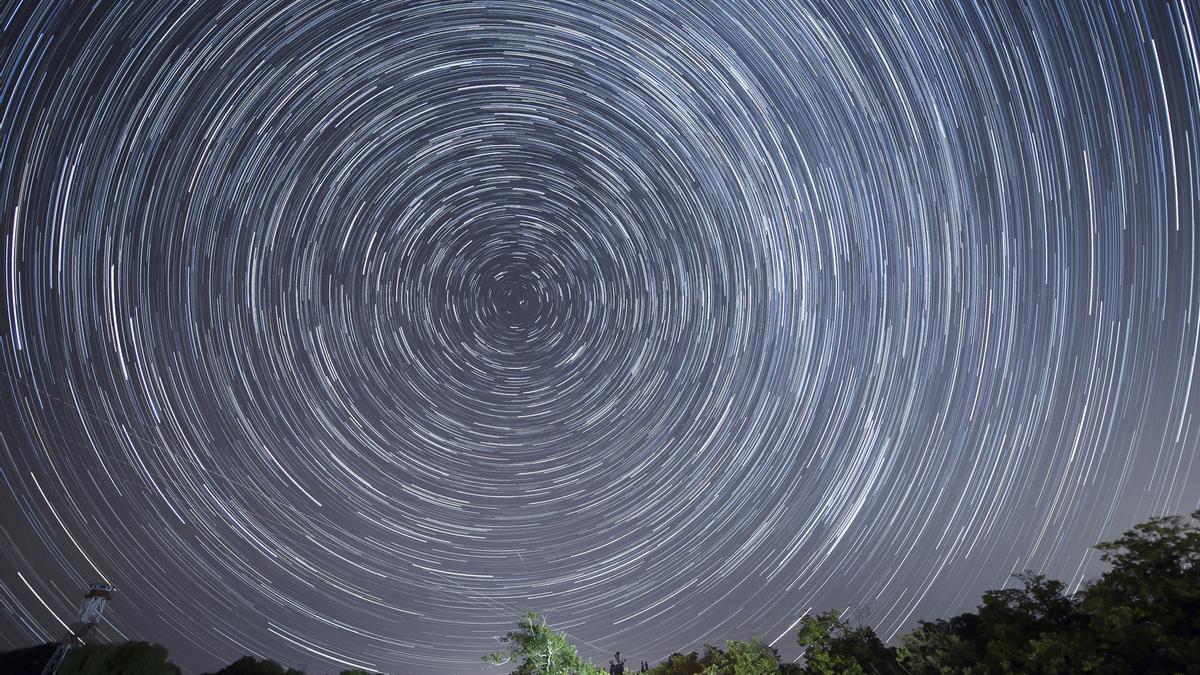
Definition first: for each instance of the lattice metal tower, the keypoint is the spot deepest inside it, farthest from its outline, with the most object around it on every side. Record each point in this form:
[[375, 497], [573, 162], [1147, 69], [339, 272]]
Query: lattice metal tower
[[89, 617]]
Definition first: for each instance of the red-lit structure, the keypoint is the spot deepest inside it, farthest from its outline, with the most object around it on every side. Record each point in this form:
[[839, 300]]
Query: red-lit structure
[[81, 630]]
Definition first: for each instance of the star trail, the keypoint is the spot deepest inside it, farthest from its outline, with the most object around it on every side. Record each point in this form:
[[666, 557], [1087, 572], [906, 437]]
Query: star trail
[[340, 332]]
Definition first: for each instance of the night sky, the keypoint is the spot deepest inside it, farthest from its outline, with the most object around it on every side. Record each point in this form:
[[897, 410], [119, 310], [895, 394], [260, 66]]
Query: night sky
[[341, 332]]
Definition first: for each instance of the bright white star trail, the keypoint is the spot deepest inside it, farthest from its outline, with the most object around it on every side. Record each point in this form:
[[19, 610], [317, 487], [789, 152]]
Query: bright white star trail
[[340, 332]]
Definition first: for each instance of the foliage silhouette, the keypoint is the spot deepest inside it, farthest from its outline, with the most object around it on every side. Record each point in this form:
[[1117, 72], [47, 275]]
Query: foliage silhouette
[[538, 650], [248, 665], [26, 661], [831, 645], [128, 658], [679, 664], [1141, 616]]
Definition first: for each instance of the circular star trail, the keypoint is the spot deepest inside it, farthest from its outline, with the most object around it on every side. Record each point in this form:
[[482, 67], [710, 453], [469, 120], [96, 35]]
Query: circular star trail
[[340, 332]]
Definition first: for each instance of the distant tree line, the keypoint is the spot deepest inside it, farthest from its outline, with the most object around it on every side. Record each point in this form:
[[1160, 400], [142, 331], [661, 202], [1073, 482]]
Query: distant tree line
[[131, 658], [1141, 616]]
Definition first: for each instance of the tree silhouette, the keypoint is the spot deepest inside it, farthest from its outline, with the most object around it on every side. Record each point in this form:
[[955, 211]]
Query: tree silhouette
[[1144, 614], [248, 665], [127, 658], [1140, 616], [832, 645], [538, 650]]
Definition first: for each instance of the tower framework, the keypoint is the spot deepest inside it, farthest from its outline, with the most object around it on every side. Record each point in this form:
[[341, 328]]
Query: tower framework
[[81, 630]]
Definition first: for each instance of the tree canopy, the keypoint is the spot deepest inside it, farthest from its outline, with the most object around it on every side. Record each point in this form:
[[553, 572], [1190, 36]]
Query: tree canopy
[[1140, 616], [128, 658], [832, 645], [248, 665], [537, 650]]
